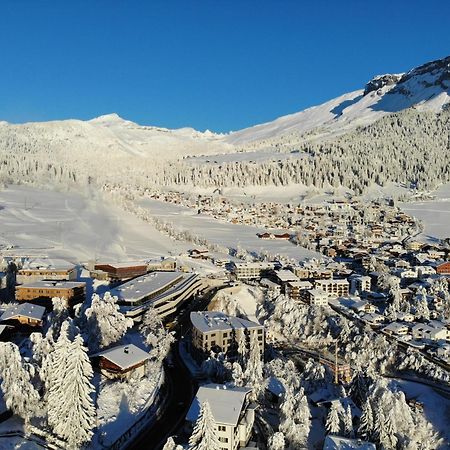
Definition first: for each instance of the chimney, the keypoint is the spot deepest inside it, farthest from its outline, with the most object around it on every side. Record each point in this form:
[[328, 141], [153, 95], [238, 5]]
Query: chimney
[[125, 350]]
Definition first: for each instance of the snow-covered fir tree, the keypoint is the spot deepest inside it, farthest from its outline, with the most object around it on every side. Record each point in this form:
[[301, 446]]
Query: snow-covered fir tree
[[204, 434], [105, 323], [71, 409], [19, 394], [333, 423]]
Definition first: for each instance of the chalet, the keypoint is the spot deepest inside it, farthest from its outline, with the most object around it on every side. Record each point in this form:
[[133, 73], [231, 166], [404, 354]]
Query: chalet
[[423, 331], [119, 271], [122, 361], [24, 314], [162, 265], [232, 411], [443, 268], [199, 253], [396, 329]]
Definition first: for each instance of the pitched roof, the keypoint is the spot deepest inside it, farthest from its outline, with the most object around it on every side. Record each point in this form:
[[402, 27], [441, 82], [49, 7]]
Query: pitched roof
[[29, 310], [226, 403], [124, 356]]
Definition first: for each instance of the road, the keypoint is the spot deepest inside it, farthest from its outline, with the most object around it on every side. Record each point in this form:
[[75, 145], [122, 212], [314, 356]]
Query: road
[[181, 388]]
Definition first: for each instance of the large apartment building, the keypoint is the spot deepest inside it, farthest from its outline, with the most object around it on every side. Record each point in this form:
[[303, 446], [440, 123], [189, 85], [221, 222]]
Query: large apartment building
[[212, 329], [232, 411], [42, 292], [164, 291], [251, 270], [360, 283], [334, 288]]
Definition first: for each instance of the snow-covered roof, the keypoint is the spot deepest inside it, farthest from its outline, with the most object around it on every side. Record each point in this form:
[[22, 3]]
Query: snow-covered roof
[[49, 284], [124, 356], [340, 443], [254, 265], [25, 310], [206, 321], [47, 264], [123, 264], [140, 287], [286, 275], [226, 403]]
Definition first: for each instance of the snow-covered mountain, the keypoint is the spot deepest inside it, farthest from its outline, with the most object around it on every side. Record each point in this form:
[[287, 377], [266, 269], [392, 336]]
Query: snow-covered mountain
[[426, 87], [114, 135]]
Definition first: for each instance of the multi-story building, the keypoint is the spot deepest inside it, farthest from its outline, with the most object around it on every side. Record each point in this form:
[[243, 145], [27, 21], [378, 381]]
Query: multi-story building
[[316, 297], [360, 283], [251, 270], [164, 291], [334, 288], [216, 330], [119, 271], [45, 269], [42, 292], [297, 289], [232, 411]]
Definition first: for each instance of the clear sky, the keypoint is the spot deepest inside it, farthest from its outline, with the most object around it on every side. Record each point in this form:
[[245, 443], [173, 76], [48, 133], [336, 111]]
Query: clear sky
[[214, 64]]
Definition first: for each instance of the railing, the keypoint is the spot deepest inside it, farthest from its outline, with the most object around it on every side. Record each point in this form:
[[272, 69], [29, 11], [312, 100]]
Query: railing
[[145, 419]]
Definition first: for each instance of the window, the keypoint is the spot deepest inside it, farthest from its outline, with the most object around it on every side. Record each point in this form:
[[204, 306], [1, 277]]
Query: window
[[225, 334], [223, 439], [222, 428], [213, 343]]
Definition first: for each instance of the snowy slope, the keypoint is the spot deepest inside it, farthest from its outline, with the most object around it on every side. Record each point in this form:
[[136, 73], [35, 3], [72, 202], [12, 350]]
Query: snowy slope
[[114, 135], [426, 87]]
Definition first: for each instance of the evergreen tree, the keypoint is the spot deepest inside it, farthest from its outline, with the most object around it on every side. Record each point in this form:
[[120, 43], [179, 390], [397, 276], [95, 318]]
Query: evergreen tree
[[105, 323], [276, 441], [71, 410], [348, 422], [366, 423], [204, 435], [19, 393], [333, 423]]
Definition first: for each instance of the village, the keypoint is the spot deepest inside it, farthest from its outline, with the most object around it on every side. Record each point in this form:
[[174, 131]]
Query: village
[[255, 336]]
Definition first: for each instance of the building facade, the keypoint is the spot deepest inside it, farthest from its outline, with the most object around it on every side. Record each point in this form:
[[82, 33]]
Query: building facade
[[215, 330]]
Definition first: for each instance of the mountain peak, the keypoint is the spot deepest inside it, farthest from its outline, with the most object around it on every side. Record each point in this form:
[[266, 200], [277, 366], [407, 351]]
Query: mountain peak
[[108, 118]]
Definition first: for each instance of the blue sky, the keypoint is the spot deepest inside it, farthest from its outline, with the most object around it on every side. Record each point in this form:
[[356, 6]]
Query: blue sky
[[219, 65]]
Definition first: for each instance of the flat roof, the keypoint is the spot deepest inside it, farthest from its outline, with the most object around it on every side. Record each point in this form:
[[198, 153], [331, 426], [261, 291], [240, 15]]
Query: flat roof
[[123, 264], [124, 356], [29, 310], [137, 288], [50, 284], [255, 265], [332, 281], [206, 321], [226, 403]]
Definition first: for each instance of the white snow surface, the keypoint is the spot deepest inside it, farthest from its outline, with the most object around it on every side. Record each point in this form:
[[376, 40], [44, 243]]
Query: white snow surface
[[224, 233], [69, 226], [435, 214]]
